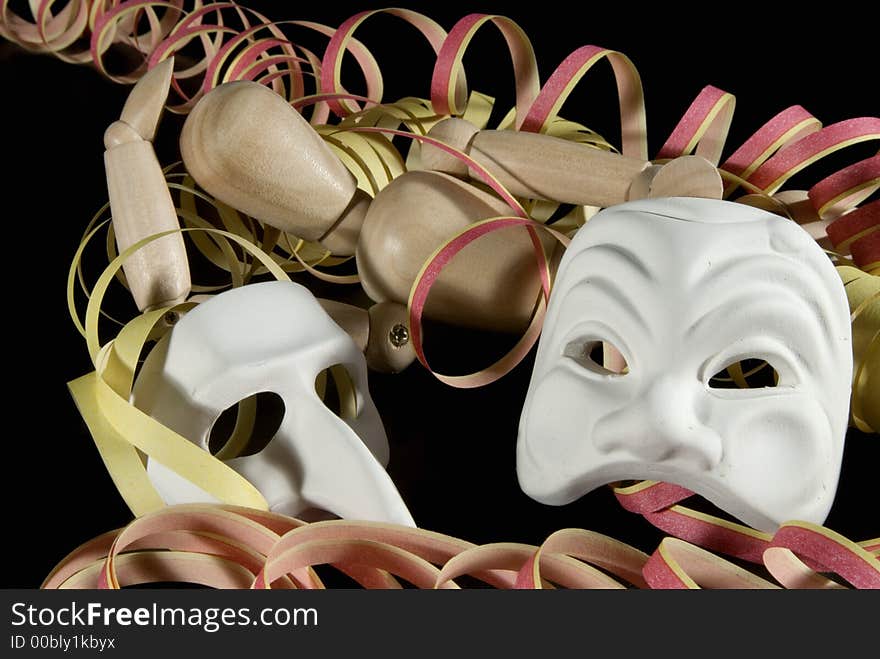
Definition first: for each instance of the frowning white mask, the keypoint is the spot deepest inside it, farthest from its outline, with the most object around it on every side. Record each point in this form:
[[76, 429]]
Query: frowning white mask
[[684, 287], [272, 337]]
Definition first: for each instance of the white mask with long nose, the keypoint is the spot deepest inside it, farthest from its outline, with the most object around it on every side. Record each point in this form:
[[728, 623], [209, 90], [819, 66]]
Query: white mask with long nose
[[683, 288], [273, 337]]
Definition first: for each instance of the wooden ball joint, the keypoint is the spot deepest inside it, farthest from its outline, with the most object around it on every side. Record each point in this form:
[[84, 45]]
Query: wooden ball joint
[[381, 333]]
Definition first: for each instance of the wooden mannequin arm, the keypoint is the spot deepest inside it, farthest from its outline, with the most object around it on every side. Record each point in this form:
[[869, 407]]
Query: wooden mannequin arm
[[536, 166], [158, 273]]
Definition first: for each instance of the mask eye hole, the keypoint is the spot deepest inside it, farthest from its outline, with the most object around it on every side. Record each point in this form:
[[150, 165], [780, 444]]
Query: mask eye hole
[[746, 373], [247, 427], [335, 386], [600, 357]]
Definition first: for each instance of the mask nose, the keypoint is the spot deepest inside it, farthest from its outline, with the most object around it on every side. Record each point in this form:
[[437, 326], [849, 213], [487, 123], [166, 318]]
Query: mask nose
[[317, 460], [661, 425]]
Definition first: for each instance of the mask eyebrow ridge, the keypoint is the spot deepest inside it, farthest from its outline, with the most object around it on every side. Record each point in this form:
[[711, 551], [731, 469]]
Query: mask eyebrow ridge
[[600, 283], [583, 264], [744, 298], [619, 253], [801, 282]]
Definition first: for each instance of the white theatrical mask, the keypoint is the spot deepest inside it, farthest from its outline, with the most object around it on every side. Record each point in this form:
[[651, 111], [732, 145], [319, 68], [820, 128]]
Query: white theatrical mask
[[272, 337], [684, 287]]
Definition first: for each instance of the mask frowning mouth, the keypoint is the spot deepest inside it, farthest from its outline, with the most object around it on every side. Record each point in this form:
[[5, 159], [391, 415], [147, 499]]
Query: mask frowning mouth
[[691, 296]]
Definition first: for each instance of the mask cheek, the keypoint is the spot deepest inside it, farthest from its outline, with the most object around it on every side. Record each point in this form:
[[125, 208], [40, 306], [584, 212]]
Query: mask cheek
[[554, 453], [780, 456]]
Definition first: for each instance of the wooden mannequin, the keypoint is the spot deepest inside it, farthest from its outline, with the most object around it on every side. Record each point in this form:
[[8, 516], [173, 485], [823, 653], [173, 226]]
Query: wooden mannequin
[[247, 146]]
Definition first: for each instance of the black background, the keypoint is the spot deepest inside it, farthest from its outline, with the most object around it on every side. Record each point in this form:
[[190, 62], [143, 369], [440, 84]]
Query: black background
[[452, 450]]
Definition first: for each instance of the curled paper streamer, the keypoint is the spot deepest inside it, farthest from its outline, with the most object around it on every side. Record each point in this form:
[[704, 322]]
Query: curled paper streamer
[[857, 233], [233, 547]]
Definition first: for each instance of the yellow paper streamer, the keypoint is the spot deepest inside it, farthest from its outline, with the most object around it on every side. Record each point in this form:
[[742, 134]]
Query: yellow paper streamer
[[863, 293], [122, 433]]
